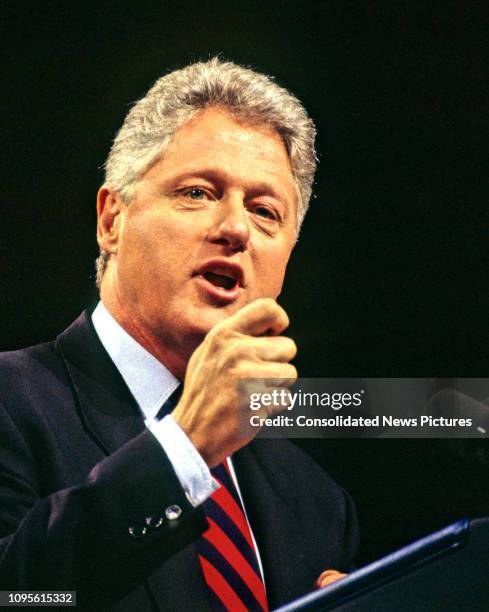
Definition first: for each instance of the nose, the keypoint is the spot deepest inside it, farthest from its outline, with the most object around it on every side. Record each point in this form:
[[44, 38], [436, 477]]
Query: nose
[[231, 227]]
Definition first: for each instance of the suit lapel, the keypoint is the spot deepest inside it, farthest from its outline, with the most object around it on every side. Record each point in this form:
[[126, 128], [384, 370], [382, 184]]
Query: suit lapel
[[112, 417], [107, 407]]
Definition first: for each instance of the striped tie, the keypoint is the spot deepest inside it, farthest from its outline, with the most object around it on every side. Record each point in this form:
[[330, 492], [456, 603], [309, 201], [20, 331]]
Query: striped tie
[[227, 552], [170, 403]]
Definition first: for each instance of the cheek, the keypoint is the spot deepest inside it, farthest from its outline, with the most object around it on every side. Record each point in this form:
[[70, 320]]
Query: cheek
[[156, 249], [138, 255], [270, 274]]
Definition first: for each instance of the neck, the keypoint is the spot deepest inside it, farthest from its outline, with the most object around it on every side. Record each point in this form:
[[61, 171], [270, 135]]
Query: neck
[[175, 358]]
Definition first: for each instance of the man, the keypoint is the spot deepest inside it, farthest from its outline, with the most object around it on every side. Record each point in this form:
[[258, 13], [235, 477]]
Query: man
[[206, 185]]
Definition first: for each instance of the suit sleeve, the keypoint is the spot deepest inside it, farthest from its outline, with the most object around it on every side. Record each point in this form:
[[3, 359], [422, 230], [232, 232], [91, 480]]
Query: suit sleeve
[[79, 538]]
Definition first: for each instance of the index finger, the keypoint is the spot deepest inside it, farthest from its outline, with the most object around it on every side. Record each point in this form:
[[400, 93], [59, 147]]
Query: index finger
[[262, 317]]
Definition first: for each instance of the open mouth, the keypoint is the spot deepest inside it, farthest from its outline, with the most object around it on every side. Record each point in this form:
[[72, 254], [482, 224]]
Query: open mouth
[[220, 280]]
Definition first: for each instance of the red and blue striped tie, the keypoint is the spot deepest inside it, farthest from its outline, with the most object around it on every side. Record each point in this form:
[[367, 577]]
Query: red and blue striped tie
[[227, 552]]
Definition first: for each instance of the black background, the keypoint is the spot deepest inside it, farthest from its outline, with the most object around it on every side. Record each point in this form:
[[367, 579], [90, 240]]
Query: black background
[[389, 276]]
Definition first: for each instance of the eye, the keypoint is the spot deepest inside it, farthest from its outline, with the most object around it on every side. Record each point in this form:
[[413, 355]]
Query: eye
[[266, 213], [195, 193]]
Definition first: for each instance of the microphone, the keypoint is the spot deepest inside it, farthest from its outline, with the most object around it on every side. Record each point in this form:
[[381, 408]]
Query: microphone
[[453, 404]]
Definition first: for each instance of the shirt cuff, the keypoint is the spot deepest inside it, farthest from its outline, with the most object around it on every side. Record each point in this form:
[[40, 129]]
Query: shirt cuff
[[192, 472]]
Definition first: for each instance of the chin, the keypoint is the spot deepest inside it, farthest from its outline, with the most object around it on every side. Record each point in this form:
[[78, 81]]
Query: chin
[[207, 318], [210, 319], [196, 321]]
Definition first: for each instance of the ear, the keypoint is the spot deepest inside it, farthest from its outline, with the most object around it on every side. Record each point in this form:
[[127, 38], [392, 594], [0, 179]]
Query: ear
[[109, 217]]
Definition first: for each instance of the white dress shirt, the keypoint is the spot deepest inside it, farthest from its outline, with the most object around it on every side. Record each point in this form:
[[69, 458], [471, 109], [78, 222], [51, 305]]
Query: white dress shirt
[[151, 384]]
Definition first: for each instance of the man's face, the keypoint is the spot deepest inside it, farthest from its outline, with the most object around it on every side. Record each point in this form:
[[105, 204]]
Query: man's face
[[210, 229]]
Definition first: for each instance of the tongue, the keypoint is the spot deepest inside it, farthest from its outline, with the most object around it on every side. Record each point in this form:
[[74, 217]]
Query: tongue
[[219, 280]]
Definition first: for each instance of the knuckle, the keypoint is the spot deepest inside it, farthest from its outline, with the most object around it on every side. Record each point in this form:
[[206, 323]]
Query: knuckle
[[247, 350], [273, 311], [291, 348], [229, 355], [238, 355], [284, 318], [290, 371], [225, 327], [268, 306], [246, 371], [220, 336], [270, 303], [214, 336]]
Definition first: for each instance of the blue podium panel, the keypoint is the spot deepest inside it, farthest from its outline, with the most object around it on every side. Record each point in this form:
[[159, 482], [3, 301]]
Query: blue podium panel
[[447, 571]]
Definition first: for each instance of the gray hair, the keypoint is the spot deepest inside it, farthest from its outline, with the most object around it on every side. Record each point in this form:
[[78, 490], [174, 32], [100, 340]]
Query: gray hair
[[176, 97]]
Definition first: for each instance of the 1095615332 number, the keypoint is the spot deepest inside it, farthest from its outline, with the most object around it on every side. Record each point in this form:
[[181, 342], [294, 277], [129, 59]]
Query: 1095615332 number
[[37, 598]]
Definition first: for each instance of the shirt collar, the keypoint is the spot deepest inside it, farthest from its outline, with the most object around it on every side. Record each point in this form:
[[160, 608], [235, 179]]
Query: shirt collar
[[150, 382]]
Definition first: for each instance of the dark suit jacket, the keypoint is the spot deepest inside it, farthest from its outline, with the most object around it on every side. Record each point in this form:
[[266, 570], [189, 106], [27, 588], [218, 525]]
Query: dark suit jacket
[[78, 468]]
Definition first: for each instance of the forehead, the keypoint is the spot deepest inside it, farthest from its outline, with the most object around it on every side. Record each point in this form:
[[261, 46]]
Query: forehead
[[217, 140], [215, 126]]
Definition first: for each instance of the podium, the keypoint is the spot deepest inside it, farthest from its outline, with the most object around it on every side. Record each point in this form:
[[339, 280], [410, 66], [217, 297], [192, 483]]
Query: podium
[[447, 571]]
